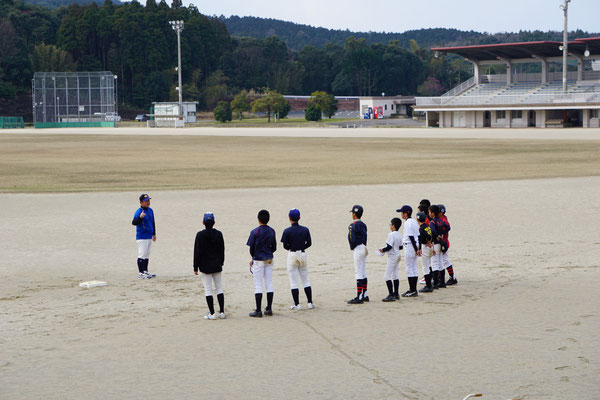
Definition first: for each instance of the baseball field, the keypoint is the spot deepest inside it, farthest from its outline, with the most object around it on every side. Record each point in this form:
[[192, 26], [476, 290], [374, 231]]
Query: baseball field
[[521, 323]]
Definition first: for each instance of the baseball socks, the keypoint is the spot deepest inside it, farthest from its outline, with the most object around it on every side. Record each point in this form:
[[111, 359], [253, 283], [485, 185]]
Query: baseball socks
[[211, 307], [390, 287], [442, 278], [359, 291], [296, 296], [268, 310], [396, 287], [428, 288], [257, 312], [436, 279], [140, 264], [365, 297], [452, 280], [412, 285], [308, 292], [221, 300]]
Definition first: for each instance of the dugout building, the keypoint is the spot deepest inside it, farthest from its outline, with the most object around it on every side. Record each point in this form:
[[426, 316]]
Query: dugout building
[[528, 92]]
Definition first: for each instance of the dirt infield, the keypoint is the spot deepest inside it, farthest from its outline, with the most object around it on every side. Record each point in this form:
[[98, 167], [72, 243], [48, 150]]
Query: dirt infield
[[521, 323], [63, 163]]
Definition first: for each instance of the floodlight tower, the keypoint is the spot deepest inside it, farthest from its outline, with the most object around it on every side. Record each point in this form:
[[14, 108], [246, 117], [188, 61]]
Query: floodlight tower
[[178, 27], [565, 46]]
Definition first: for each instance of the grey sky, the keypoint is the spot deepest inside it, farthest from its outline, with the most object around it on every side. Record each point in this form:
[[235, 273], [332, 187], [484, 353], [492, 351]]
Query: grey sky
[[402, 15]]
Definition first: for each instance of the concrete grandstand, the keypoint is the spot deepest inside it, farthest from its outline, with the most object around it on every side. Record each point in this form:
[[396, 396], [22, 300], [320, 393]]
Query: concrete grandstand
[[528, 93]]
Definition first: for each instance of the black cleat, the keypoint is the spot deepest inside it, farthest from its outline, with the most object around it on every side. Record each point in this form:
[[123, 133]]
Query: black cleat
[[256, 314], [442, 285], [366, 299], [408, 293], [451, 281], [390, 297], [269, 312], [355, 300], [396, 296], [426, 289]]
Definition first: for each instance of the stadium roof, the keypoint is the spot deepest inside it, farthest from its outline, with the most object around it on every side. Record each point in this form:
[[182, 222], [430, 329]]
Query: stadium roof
[[522, 50]]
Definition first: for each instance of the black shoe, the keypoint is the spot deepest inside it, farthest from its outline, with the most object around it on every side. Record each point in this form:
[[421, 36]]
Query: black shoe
[[355, 300], [366, 299], [426, 289], [390, 297], [442, 285], [396, 296], [410, 294], [269, 312], [451, 281], [256, 314]]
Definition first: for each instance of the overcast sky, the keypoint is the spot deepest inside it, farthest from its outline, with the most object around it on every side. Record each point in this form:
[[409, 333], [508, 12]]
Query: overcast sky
[[403, 15]]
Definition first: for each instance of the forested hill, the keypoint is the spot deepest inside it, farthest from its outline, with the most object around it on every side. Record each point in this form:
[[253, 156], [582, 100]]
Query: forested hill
[[296, 36], [52, 4]]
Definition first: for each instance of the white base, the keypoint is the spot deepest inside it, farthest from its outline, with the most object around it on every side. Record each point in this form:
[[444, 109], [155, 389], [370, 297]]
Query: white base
[[91, 284]]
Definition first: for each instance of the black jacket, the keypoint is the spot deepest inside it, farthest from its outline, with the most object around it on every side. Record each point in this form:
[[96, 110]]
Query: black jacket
[[209, 251]]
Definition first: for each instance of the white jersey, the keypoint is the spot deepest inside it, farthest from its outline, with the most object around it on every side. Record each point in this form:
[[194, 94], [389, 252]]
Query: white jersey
[[411, 228], [394, 240]]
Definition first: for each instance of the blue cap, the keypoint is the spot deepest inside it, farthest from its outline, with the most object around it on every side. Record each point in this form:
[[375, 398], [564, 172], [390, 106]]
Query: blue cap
[[144, 197], [405, 209], [294, 214], [356, 209], [442, 208], [209, 217]]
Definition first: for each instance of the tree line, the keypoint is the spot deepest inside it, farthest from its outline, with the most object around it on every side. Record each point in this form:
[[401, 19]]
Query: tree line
[[137, 44]]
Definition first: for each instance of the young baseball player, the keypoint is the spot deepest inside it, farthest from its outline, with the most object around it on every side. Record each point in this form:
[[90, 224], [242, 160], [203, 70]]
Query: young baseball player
[[296, 239], [357, 238], [425, 250], [209, 256], [410, 239], [393, 245], [438, 229], [262, 245], [424, 208], [445, 257], [145, 228]]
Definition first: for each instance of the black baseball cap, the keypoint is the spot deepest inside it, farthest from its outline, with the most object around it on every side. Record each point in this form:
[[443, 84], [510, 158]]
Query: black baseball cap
[[405, 209], [425, 202], [356, 209], [421, 217], [144, 197]]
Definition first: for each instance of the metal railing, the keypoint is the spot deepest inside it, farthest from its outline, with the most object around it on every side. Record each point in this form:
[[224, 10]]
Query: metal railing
[[509, 100], [461, 88]]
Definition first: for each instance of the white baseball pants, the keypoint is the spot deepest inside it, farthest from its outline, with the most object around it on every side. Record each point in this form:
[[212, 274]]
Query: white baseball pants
[[360, 261], [296, 265], [436, 259], [426, 253], [410, 260], [208, 280], [144, 246], [446, 260], [391, 269], [262, 271]]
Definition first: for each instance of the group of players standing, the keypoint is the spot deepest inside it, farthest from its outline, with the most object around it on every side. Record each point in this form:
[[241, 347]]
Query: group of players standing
[[425, 237]]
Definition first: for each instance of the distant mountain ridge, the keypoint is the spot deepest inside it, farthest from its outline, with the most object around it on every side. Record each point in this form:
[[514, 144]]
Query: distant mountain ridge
[[296, 36], [53, 4]]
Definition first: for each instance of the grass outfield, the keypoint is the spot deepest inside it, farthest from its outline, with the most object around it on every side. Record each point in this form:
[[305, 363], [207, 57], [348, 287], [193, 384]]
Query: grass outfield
[[71, 163]]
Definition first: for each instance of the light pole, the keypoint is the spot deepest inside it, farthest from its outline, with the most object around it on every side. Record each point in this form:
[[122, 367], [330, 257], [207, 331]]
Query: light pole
[[565, 46], [178, 27]]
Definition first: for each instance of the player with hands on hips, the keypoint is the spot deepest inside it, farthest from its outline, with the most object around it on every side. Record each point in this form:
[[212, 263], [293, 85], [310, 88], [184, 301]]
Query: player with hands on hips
[[262, 245], [410, 236], [357, 238], [393, 245], [145, 228], [209, 256], [296, 239]]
